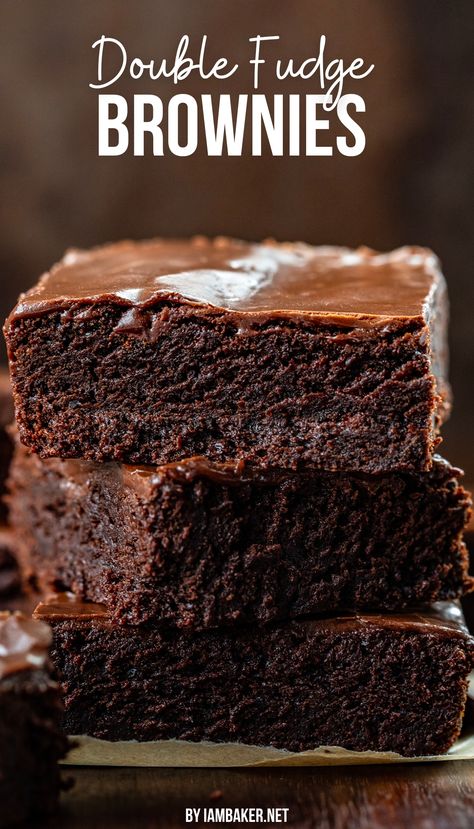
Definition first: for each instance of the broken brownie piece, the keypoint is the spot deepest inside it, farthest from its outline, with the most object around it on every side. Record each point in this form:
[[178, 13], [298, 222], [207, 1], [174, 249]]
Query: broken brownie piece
[[279, 354], [31, 740], [361, 681], [197, 544]]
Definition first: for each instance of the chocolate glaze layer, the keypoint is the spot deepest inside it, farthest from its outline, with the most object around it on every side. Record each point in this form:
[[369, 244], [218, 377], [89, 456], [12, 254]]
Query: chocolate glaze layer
[[78, 472], [68, 606], [24, 643], [347, 287], [441, 617], [189, 469]]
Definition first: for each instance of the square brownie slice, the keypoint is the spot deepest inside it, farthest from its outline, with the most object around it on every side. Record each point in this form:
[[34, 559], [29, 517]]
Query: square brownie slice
[[279, 354], [197, 544], [365, 682], [31, 740]]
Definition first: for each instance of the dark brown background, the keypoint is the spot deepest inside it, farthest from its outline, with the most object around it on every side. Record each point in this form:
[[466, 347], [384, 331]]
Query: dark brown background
[[413, 184]]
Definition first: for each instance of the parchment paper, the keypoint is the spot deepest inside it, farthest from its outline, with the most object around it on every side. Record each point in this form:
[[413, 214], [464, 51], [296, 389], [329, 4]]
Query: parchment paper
[[179, 754]]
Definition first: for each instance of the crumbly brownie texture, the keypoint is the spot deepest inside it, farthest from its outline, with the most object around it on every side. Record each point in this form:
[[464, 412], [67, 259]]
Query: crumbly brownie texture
[[31, 740], [9, 572], [201, 545], [6, 445], [364, 682], [279, 354]]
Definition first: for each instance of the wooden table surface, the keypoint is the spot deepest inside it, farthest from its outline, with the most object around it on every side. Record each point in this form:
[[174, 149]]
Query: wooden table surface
[[425, 796]]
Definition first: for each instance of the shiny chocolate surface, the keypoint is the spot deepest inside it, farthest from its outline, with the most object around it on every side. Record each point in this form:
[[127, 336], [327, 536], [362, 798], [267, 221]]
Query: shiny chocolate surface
[[282, 279]]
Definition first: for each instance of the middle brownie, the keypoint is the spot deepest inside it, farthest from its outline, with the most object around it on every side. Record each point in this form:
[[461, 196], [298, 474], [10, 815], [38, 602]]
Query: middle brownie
[[199, 545]]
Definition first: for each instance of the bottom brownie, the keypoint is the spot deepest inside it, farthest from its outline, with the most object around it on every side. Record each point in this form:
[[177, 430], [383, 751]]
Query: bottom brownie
[[31, 741], [364, 682]]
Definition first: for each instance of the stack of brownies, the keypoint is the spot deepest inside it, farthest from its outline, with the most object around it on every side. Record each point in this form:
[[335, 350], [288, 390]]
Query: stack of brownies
[[226, 474]]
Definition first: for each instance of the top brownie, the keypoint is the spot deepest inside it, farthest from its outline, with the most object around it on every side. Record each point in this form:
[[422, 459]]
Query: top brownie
[[280, 354]]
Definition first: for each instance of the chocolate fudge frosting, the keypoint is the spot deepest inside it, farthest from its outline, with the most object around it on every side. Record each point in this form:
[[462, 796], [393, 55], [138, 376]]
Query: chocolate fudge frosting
[[348, 287], [78, 471], [189, 469], [24, 643], [441, 617]]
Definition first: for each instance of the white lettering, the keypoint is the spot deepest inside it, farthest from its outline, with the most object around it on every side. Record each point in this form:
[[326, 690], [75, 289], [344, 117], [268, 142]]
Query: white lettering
[[216, 129], [313, 125], [141, 124], [273, 126], [257, 60], [359, 136], [191, 131], [109, 124]]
